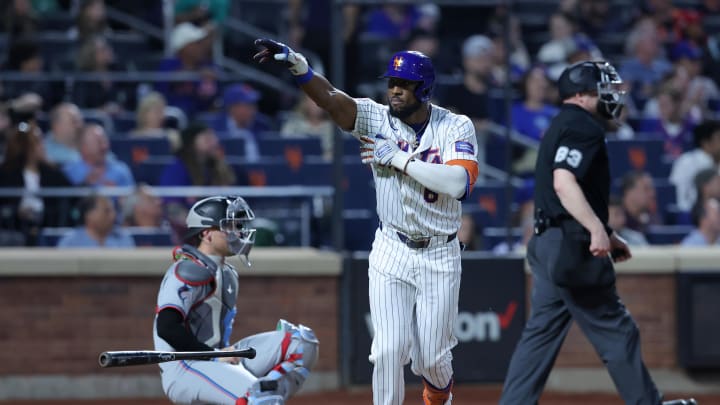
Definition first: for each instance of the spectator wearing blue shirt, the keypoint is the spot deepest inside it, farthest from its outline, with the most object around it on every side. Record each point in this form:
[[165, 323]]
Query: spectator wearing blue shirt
[[191, 47], [241, 119], [672, 125], [97, 166], [532, 115], [391, 21], [646, 65], [98, 228], [707, 219]]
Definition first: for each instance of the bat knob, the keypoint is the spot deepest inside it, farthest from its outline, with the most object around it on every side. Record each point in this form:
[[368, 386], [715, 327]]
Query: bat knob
[[104, 359]]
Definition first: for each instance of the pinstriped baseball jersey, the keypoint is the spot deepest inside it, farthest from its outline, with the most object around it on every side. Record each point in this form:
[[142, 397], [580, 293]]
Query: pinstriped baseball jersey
[[406, 205]]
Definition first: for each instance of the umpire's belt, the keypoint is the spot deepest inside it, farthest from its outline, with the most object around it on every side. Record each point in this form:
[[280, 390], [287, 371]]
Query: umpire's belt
[[419, 242]]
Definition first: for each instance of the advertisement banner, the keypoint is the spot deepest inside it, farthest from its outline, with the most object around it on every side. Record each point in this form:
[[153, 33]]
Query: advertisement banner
[[698, 298], [491, 317]]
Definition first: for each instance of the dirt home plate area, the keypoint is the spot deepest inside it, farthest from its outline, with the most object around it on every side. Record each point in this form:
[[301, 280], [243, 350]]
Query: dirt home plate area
[[464, 395]]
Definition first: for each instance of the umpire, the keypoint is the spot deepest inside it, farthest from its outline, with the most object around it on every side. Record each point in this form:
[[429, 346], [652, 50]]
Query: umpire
[[572, 250]]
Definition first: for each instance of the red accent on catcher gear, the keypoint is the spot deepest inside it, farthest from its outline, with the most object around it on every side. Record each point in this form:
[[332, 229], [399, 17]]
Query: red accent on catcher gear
[[285, 345], [434, 396], [241, 401]]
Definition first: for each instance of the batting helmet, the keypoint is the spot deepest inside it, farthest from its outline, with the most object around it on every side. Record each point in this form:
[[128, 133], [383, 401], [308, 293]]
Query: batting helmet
[[414, 66], [600, 77], [230, 214]]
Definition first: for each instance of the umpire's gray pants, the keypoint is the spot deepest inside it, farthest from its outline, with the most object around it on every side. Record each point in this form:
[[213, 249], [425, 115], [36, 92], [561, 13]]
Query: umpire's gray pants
[[601, 316]]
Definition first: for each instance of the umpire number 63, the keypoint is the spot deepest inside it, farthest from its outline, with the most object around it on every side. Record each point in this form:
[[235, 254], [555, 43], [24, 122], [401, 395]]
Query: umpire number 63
[[573, 157]]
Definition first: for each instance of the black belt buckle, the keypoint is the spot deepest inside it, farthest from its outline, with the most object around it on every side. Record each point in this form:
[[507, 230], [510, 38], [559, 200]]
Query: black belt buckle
[[541, 225]]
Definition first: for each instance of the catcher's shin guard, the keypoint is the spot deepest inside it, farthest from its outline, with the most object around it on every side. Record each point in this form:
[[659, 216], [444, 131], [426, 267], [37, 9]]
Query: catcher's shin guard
[[434, 396]]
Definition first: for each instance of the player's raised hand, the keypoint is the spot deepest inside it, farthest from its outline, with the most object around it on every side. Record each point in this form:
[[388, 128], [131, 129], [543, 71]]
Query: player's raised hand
[[367, 150], [271, 50]]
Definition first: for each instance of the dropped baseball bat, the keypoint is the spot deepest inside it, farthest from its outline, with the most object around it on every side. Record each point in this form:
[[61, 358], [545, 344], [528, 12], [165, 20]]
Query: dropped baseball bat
[[138, 357]]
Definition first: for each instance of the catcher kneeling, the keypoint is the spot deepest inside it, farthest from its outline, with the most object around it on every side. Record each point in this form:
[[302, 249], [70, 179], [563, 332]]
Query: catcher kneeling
[[196, 309]]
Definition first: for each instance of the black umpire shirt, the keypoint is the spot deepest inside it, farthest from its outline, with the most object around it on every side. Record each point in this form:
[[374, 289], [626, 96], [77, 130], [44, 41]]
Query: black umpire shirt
[[574, 141]]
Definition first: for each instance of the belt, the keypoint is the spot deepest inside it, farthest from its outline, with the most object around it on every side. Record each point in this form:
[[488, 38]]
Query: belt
[[421, 242], [542, 222]]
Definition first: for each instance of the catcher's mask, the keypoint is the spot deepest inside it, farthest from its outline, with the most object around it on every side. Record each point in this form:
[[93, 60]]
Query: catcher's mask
[[229, 214], [600, 77]]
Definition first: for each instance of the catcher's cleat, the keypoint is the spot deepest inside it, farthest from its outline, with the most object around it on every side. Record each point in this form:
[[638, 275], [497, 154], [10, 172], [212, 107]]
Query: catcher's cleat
[[690, 401]]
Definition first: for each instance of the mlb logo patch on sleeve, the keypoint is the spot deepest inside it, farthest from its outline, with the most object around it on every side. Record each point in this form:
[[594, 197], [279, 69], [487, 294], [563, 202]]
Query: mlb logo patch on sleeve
[[464, 147]]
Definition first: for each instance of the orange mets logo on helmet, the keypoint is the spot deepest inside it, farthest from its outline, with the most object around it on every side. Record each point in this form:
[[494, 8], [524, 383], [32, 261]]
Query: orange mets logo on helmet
[[397, 62]]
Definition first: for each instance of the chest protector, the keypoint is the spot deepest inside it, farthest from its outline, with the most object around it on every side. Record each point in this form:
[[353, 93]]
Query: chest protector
[[213, 310]]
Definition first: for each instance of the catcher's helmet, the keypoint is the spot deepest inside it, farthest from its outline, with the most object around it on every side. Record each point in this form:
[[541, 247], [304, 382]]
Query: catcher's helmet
[[230, 214], [600, 77], [414, 66]]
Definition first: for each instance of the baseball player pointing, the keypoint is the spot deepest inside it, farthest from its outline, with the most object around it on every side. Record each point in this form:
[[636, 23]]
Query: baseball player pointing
[[424, 162]]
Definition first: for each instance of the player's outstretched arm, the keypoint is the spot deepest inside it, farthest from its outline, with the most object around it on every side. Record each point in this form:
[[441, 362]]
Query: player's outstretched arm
[[340, 106]]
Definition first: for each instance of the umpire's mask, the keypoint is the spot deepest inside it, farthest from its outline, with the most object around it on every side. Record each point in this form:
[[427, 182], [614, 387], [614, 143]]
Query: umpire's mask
[[600, 77], [611, 96]]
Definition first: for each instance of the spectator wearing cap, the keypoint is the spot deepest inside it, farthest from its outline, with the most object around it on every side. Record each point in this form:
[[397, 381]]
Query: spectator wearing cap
[[241, 118], [705, 155], [706, 217], [471, 96], [191, 47]]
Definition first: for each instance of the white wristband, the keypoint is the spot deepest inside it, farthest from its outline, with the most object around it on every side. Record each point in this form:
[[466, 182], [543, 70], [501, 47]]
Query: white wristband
[[401, 160]]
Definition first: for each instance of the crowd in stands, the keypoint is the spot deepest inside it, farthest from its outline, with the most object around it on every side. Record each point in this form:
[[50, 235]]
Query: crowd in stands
[[73, 101]]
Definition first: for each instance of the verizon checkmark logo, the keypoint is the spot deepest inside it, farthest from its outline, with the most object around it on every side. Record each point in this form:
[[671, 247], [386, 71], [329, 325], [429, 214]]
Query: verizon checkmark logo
[[476, 326], [484, 326]]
